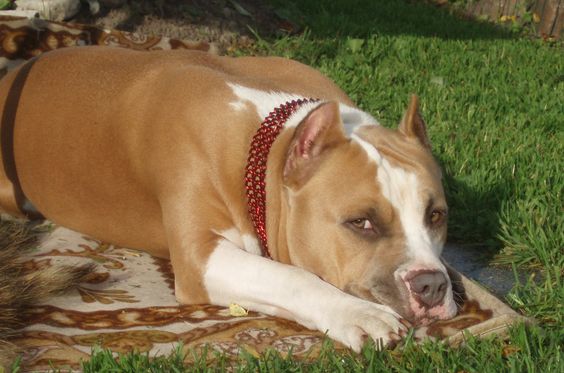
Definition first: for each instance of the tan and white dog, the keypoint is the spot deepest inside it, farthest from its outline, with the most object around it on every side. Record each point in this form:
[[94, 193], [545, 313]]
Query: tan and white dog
[[150, 150]]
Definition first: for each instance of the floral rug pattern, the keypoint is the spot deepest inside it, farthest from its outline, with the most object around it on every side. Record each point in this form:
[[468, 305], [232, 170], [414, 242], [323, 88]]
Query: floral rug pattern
[[128, 304]]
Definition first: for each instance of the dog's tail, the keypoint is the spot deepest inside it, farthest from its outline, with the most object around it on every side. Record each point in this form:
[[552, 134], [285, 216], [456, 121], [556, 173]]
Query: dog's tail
[[20, 288]]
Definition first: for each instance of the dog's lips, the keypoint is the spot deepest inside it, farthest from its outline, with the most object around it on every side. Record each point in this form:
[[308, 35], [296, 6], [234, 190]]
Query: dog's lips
[[409, 308], [424, 316], [426, 320]]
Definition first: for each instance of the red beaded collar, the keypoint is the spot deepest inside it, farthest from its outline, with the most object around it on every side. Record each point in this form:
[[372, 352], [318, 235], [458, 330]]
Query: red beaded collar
[[256, 165]]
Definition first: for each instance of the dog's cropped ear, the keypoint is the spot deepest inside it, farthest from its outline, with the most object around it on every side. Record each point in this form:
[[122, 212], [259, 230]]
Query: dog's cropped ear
[[321, 129], [412, 124]]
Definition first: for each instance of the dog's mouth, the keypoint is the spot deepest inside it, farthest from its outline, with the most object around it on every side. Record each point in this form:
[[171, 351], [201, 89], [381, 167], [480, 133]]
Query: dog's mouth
[[422, 315], [404, 303]]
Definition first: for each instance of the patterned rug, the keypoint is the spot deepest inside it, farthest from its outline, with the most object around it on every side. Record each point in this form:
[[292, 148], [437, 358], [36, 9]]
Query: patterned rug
[[25, 38], [128, 303]]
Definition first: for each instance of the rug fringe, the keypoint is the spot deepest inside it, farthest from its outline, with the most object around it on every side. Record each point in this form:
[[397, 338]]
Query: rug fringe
[[20, 288]]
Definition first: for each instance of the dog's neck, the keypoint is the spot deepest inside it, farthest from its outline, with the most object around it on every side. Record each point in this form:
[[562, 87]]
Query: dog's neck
[[257, 161], [277, 198]]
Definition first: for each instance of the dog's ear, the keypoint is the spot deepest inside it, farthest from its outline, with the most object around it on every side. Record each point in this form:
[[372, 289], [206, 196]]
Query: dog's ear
[[321, 129], [412, 124]]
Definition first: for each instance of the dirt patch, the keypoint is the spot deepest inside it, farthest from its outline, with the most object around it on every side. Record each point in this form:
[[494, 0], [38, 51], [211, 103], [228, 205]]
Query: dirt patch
[[230, 24]]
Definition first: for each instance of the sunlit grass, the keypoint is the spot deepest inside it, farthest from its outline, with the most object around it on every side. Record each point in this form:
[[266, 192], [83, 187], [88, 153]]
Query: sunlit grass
[[529, 350], [493, 106]]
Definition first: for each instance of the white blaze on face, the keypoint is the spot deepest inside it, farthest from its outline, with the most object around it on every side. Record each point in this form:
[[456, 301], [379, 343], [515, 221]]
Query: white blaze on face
[[401, 188]]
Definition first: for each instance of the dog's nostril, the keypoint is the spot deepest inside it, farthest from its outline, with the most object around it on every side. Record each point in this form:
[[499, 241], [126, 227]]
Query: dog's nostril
[[429, 286]]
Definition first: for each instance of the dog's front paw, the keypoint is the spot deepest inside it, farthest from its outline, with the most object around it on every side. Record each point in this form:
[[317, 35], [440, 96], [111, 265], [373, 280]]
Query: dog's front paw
[[355, 321]]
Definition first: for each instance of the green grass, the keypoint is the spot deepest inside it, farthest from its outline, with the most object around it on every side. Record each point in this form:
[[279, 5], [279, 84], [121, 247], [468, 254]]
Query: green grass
[[493, 105], [530, 350]]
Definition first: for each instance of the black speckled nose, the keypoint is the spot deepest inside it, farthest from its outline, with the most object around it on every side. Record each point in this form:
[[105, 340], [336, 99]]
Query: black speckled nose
[[430, 287]]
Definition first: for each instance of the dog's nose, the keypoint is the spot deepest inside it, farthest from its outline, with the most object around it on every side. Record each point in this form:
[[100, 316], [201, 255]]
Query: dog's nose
[[430, 287]]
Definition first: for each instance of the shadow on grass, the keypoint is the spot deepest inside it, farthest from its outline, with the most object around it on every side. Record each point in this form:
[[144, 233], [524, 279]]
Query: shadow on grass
[[324, 18], [474, 216], [362, 18]]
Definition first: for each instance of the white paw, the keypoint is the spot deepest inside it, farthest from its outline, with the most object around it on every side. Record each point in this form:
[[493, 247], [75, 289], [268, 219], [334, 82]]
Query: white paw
[[353, 321]]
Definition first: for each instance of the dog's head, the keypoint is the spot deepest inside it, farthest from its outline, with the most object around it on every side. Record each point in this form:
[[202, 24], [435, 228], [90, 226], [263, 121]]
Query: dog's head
[[367, 212]]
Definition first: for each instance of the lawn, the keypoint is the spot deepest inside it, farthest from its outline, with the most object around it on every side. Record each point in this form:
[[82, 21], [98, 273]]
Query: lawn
[[493, 102], [493, 106]]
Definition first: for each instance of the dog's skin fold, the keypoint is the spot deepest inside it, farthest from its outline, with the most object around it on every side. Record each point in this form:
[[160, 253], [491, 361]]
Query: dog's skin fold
[[148, 150]]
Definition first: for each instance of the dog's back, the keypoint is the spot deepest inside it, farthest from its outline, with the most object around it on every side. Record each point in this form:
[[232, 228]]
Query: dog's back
[[76, 106]]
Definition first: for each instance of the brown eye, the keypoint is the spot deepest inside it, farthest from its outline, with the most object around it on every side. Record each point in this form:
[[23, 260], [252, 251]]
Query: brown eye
[[436, 218], [362, 224]]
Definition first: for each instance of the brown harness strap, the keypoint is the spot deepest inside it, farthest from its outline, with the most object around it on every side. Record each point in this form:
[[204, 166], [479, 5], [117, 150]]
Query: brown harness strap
[[7, 140]]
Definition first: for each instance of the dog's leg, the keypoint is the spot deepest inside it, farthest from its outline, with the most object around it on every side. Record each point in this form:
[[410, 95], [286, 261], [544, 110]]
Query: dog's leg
[[209, 268], [260, 284]]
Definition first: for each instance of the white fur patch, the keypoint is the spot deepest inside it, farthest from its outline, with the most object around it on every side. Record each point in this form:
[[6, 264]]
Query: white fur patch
[[401, 188], [265, 101], [251, 244], [353, 118]]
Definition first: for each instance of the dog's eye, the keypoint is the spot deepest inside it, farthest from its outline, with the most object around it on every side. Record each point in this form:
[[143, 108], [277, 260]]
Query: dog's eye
[[362, 224], [437, 217]]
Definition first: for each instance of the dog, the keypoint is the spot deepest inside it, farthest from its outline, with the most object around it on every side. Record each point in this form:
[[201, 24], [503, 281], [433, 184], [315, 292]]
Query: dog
[[257, 176]]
